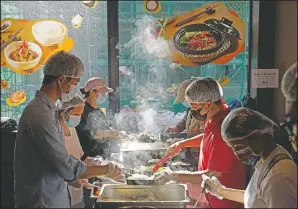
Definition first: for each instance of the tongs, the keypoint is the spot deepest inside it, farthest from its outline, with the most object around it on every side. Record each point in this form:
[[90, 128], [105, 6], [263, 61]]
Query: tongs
[[162, 161], [202, 192]]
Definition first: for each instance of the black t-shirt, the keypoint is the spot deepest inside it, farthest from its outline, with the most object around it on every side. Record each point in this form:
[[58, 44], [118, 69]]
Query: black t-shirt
[[92, 121]]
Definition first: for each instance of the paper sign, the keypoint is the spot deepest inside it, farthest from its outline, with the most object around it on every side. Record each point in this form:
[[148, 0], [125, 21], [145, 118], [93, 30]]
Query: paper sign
[[264, 78]]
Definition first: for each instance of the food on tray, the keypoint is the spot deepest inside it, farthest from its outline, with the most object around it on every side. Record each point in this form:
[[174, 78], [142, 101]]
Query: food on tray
[[139, 177], [198, 40], [129, 198], [96, 191], [180, 164], [4, 85], [152, 162], [145, 138], [23, 53], [5, 25]]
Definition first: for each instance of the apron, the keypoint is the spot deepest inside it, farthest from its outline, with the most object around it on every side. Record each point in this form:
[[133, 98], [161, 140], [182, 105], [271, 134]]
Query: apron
[[194, 127]]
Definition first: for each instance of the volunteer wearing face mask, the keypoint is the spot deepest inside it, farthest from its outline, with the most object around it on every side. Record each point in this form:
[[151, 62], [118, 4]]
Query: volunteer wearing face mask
[[73, 110], [96, 137], [205, 98], [289, 126], [193, 125], [274, 182], [42, 166]]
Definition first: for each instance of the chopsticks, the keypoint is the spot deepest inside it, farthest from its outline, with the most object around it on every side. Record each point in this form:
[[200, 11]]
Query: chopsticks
[[209, 10], [11, 39]]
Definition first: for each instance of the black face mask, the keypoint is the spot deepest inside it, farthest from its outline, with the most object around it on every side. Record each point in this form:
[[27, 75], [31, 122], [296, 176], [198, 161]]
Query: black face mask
[[197, 114]]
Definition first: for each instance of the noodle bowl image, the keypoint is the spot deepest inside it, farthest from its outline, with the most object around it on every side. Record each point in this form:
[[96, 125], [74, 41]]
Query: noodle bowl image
[[23, 55]]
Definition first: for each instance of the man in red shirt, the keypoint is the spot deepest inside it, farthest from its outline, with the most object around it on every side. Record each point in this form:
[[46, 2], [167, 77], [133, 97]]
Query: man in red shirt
[[205, 98]]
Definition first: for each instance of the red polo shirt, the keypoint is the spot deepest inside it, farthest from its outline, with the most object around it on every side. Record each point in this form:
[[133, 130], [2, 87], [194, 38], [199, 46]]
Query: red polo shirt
[[216, 155]]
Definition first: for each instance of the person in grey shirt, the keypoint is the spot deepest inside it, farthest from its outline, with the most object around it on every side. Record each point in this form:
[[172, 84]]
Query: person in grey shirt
[[42, 166]]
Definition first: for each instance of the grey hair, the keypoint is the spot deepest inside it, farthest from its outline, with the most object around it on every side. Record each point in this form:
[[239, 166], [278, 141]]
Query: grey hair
[[202, 90], [289, 83], [64, 63]]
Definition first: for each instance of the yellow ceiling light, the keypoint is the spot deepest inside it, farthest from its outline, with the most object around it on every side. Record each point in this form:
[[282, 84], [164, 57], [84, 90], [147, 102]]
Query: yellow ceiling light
[[77, 20], [152, 6], [90, 4]]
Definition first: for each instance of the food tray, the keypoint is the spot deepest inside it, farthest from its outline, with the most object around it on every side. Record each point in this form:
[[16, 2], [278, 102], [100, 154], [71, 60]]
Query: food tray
[[177, 198]]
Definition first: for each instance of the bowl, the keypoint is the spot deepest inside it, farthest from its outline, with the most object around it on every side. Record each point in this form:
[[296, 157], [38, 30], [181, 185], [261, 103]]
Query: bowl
[[49, 32], [22, 65], [219, 37]]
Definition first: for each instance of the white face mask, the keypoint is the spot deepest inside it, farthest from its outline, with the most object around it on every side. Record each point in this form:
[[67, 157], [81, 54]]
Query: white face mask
[[73, 121], [72, 92]]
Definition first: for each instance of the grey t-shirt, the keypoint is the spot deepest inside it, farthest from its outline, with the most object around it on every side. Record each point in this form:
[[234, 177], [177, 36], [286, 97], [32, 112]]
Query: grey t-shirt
[[41, 163]]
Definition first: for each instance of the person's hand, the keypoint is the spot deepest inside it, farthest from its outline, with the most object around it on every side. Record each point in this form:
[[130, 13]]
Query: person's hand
[[212, 186], [115, 172], [85, 183], [122, 135], [163, 178], [176, 140], [174, 149], [169, 130]]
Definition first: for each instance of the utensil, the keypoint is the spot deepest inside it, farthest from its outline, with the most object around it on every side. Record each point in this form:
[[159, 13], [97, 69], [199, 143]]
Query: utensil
[[209, 10], [202, 192], [11, 39], [162, 161]]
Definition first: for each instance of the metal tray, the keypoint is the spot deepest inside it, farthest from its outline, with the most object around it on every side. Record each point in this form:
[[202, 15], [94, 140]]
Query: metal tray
[[177, 198]]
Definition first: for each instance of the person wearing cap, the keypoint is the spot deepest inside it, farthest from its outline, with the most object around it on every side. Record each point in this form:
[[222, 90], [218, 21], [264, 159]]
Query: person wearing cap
[[205, 98], [289, 126], [250, 135], [42, 165], [96, 136]]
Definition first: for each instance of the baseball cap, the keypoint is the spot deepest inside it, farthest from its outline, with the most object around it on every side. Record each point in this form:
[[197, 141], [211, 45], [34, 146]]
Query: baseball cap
[[181, 91], [98, 84]]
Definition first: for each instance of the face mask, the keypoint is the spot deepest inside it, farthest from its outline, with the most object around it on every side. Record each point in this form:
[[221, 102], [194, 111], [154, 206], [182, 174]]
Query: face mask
[[72, 92], [185, 104], [73, 121], [252, 159], [197, 114], [101, 98]]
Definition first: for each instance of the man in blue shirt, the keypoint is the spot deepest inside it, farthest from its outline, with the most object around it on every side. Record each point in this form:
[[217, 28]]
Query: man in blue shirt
[[42, 165]]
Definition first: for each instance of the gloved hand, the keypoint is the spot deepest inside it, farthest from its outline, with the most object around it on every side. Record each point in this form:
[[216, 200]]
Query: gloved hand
[[115, 172], [212, 186], [122, 135], [174, 149], [163, 178], [85, 183], [170, 130]]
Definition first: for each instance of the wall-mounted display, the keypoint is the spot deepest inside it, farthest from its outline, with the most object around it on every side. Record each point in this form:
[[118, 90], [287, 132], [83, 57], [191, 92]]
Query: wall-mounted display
[[209, 34], [26, 44]]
